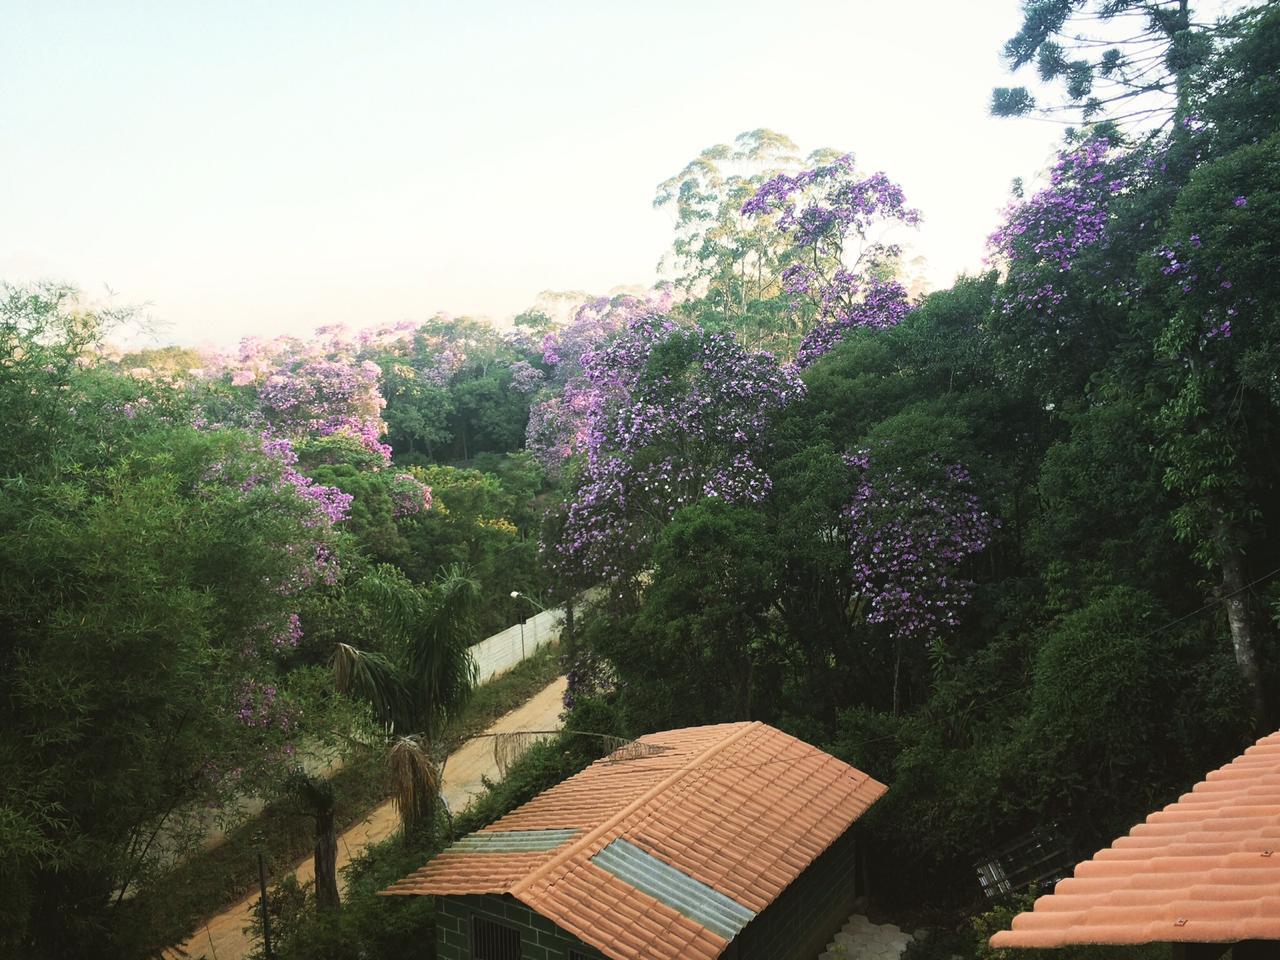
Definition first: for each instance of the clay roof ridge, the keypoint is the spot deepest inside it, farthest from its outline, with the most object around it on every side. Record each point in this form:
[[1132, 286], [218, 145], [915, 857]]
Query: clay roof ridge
[[608, 824]]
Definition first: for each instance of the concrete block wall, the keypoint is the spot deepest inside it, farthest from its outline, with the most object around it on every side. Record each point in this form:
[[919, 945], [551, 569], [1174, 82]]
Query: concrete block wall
[[540, 939], [802, 920]]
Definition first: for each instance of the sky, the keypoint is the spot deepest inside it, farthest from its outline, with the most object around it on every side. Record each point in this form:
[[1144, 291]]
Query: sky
[[254, 168]]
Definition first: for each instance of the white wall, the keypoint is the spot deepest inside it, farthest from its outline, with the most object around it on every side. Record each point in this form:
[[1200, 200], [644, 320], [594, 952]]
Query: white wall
[[504, 650]]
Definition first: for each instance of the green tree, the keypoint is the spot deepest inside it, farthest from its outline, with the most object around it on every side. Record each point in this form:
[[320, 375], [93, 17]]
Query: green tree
[[703, 627], [1221, 332], [149, 571]]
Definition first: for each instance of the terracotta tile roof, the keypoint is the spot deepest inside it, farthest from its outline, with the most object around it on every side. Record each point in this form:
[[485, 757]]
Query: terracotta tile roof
[[739, 808], [1205, 869]]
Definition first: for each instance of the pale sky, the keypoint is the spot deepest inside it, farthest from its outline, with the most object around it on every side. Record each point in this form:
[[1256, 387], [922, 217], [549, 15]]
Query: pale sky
[[266, 167]]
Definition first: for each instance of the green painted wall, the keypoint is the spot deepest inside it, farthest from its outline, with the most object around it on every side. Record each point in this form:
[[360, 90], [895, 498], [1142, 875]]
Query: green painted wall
[[805, 917], [540, 939]]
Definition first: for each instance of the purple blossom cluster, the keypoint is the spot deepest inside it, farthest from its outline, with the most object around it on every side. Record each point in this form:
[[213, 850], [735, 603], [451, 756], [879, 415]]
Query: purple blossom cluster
[[558, 423], [318, 387], [673, 415], [1215, 294], [590, 677], [847, 304], [331, 505], [526, 378], [290, 635], [260, 705], [907, 541], [409, 495], [325, 396], [828, 201], [820, 210], [1067, 216]]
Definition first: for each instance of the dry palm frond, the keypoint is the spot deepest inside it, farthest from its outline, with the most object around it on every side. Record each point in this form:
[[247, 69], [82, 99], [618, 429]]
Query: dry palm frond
[[620, 748], [510, 747], [415, 781]]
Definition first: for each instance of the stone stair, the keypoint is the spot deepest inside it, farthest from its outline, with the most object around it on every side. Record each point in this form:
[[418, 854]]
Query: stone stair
[[860, 939]]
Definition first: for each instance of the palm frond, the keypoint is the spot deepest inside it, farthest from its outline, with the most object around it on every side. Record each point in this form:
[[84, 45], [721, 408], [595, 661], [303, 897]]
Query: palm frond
[[510, 746], [415, 781], [440, 662], [373, 677], [400, 606]]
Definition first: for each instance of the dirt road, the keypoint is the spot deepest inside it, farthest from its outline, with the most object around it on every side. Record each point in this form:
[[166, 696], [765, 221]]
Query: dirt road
[[223, 938]]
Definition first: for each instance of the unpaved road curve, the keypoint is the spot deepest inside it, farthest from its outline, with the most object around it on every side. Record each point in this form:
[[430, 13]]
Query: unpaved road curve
[[223, 938]]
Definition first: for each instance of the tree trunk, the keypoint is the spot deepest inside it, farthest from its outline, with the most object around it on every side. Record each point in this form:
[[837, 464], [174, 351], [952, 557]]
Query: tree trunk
[[1236, 601], [326, 859], [897, 672]]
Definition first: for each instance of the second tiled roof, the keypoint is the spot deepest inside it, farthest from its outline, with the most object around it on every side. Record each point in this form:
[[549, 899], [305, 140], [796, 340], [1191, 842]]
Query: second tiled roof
[[1203, 870]]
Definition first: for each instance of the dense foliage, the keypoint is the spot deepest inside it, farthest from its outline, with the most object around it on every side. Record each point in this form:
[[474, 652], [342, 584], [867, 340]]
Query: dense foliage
[[153, 575], [1011, 547]]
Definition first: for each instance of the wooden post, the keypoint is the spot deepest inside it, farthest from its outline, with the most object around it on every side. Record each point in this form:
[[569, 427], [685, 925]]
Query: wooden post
[[266, 914]]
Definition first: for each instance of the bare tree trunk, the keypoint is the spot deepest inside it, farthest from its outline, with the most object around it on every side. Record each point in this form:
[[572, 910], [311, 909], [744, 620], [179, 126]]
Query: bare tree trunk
[[317, 794], [897, 672], [326, 860], [1236, 601]]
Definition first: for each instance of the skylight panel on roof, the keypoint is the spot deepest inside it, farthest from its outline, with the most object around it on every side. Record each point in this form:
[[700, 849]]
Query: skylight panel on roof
[[691, 898], [513, 841]]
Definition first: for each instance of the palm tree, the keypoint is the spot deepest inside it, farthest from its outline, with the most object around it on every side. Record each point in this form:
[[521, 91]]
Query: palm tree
[[420, 683]]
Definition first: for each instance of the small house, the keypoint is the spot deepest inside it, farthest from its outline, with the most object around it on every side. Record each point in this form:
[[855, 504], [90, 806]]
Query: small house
[[1202, 875], [731, 840]]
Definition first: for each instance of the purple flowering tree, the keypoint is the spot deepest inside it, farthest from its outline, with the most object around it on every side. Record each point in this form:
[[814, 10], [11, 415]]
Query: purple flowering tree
[[673, 415], [558, 426], [909, 537], [835, 275], [1060, 310]]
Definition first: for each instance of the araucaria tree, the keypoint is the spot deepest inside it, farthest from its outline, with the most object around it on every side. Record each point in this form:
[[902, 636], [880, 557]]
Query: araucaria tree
[[1119, 60]]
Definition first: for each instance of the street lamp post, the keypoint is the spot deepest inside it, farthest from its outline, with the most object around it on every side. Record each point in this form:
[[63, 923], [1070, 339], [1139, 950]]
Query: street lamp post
[[515, 595]]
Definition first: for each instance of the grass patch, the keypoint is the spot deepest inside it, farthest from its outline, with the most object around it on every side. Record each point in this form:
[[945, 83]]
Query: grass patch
[[215, 878], [505, 692]]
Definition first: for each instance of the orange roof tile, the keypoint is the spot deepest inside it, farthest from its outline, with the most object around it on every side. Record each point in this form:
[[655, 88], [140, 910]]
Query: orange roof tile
[[1205, 869], [741, 808]]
